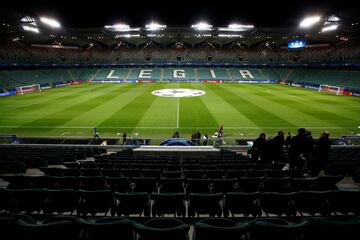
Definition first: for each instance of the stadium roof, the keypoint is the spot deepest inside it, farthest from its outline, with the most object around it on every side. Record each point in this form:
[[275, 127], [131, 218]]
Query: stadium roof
[[274, 23]]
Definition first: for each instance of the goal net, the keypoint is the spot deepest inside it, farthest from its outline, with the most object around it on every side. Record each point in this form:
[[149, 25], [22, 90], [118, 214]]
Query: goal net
[[331, 89], [26, 89]]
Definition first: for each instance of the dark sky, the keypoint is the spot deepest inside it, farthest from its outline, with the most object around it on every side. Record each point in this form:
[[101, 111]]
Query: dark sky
[[92, 13]]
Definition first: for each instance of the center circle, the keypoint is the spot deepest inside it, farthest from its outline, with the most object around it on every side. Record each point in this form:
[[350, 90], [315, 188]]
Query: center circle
[[178, 92]]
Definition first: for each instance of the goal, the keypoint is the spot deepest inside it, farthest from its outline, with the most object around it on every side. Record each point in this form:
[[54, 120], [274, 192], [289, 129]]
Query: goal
[[331, 89], [26, 89]]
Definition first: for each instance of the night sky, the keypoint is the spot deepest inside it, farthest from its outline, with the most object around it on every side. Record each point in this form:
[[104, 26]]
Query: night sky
[[182, 13]]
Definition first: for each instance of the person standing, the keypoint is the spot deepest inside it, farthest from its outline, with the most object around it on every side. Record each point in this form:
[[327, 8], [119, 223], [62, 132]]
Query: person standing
[[206, 139], [176, 135], [124, 136], [96, 133], [258, 147], [288, 140], [300, 148], [277, 146], [320, 154], [221, 130]]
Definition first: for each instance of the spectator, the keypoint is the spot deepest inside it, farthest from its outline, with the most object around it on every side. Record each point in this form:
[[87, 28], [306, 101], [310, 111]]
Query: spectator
[[176, 135], [288, 140], [221, 131], [258, 147], [205, 139], [320, 154], [96, 133], [124, 136], [300, 149], [277, 146]]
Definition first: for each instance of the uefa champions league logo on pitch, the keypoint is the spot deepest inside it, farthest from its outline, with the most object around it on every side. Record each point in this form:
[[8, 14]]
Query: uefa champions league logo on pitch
[[178, 92]]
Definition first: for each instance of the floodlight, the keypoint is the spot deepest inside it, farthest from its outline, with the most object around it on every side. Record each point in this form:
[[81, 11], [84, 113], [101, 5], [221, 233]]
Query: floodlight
[[30, 29], [127, 35], [120, 27], [236, 28], [202, 26], [309, 21], [230, 35], [154, 27], [330, 28], [27, 19], [50, 22], [333, 18]]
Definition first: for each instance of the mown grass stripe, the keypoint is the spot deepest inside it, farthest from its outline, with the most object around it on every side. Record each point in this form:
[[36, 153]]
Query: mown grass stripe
[[328, 113], [223, 112], [73, 109], [130, 114], [247, 106], [124, 94], [193, 112], [162, 111], [48, 97]]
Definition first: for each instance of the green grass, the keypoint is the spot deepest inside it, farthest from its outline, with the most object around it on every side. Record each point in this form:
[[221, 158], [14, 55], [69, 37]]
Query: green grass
[[245, 110]]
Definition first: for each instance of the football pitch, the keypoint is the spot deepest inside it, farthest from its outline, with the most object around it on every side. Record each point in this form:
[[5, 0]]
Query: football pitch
[[244, 110]]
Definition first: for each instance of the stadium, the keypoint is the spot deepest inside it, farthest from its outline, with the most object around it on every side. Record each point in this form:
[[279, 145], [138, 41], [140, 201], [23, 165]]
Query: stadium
[[244, 130]]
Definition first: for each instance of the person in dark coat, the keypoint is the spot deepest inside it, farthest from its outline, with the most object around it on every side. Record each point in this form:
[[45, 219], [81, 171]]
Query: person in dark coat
[[258, 147], [320, 154], [288, 140], [277, 146], [300, 149], [124, 136]]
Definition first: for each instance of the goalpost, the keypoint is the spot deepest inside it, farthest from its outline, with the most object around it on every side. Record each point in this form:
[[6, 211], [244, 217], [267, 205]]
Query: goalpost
[[331, 89], [26, 89]]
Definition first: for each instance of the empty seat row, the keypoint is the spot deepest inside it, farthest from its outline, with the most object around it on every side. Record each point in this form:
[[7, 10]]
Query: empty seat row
[[199, 173], [157, 204], [18, 226], [180, 185]]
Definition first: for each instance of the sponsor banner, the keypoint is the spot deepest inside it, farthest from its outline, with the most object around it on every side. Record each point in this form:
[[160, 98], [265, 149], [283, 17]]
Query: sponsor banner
[[45, 87], [256, 81], [7, 93], [295, 85], [312, 87], [212, 81], [146, 81], [61, 84], [76, 82], [179, 80], [284, 82], [114, 81]]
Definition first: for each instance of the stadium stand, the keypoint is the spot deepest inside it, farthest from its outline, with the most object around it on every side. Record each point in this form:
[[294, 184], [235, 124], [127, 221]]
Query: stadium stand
[[58, 188], [337, 54], [341, 78]]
